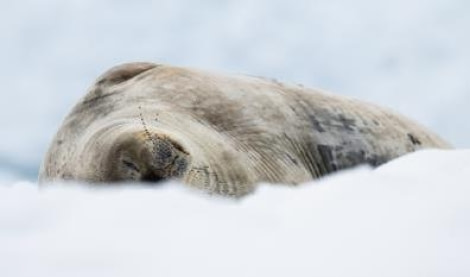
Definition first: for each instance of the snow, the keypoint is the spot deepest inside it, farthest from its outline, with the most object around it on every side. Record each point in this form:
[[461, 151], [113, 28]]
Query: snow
[[406, 218]]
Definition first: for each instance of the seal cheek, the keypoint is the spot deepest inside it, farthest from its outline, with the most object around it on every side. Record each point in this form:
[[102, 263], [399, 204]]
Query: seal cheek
[[180, 166], [163, 154]]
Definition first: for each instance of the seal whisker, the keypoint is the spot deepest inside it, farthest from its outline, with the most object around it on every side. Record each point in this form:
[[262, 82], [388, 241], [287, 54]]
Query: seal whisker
[[144, 125]]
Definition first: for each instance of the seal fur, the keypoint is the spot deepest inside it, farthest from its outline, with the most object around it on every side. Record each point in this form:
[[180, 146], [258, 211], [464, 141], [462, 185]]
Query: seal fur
[[220, 133]]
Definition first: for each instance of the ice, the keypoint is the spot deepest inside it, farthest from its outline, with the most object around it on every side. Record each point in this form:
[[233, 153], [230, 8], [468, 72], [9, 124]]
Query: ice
[[406, 218]]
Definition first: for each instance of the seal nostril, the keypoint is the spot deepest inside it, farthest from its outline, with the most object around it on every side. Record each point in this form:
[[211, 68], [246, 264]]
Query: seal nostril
[[152, 178]]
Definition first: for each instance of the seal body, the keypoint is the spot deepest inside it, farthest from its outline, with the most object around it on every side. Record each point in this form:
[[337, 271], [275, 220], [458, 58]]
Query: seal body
[[223, 134]]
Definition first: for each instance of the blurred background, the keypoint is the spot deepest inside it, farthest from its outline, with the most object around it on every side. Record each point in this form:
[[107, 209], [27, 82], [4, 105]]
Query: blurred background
[[410, 55]]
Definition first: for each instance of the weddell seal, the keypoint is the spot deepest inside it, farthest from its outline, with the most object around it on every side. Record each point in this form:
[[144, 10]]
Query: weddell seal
[[223, 134]]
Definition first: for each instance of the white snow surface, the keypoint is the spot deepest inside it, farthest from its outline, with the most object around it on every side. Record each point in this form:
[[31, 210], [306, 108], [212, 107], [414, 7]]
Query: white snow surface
[[409, 217]]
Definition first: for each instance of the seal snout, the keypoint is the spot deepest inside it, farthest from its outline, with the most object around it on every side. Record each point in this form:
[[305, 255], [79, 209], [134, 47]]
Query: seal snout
[[145, 157]]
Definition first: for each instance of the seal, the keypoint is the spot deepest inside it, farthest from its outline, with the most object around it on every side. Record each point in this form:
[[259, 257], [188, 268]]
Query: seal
[[220, 133]]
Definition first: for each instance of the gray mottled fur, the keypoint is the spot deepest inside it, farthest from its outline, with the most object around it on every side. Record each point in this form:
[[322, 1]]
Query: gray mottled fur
[[221, 133]]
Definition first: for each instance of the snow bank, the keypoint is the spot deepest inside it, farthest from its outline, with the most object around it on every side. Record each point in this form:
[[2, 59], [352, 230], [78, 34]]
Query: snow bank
[[407, 218]]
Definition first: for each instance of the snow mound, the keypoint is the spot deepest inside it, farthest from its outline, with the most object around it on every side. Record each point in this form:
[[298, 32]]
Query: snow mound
[[409, 217]]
